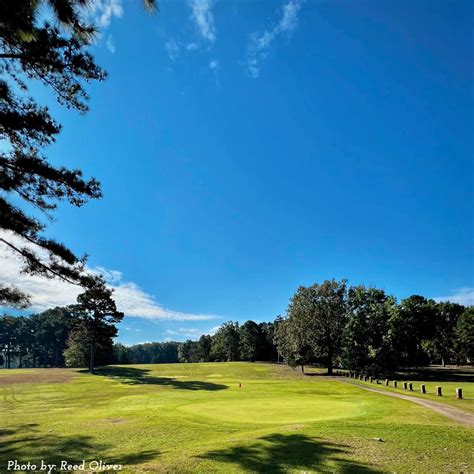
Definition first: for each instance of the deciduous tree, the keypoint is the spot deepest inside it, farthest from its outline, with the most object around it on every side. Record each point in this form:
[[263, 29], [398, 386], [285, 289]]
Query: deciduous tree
[[464, 334], [225, 343], [250, 336], [367, 341], [316, 319], [412, 323]]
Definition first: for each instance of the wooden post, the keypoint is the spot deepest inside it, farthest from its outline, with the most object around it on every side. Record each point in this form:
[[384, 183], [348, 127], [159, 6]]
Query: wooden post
[[410, 387], [394, 384], [459, 393], [404, 385], [386, 382], [438, 391], [423, 388]]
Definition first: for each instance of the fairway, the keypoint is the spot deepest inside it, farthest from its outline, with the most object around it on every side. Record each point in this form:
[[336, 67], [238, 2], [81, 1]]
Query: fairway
[[220, 417]]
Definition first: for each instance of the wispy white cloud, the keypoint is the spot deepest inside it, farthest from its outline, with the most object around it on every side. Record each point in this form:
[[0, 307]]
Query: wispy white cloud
[[48, 293], [192, 46], [190, 333], [464, 296], [172, 49], [213, 330], [103, 11], [203, 18], [187, 333], [109, 43], [260, 43]]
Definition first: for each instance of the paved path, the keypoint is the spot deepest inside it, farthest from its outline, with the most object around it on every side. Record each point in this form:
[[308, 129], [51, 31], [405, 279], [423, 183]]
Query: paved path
[[454, 413]]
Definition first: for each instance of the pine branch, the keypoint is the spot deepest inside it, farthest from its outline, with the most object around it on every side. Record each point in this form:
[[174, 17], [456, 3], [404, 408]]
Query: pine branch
[[28, 256]]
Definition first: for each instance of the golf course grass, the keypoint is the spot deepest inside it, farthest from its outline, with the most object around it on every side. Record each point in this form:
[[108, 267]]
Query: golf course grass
[[221, 417], [448, 391]]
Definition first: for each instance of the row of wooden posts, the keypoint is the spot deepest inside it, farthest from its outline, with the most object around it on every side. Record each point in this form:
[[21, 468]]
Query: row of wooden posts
[[406, 385]]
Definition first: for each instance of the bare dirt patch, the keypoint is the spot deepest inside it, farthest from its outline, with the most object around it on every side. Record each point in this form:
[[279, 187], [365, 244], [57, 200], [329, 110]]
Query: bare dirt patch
[[115, 421], [38, 376]]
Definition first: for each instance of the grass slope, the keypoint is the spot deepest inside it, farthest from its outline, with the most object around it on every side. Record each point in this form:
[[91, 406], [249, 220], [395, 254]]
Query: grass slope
[[196, 418]]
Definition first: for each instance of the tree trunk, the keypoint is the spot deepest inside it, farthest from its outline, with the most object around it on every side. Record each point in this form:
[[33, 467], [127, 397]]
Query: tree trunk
[[443, 362], [302, 369], [330, 364], [91, 357]]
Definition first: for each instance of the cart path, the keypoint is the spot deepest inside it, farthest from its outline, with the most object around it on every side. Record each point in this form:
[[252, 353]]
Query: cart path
[[455, 414]]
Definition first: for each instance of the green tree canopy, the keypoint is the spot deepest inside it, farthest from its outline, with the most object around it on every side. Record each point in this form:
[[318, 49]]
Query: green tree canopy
[[367, 341], [413, 322], [464, 333], [316, 317], [225, 343], [8, 337], [249, 335], [98, 312]]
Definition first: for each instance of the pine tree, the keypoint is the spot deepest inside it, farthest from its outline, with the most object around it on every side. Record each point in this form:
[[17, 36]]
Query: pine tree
[[34, 49], [98, 313]]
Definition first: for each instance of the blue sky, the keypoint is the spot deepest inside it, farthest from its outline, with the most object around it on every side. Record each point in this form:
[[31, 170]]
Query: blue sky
[[247, 148]]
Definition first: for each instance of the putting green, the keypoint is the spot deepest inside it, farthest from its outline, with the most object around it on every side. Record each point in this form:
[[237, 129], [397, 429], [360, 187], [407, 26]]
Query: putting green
[[290, 409]]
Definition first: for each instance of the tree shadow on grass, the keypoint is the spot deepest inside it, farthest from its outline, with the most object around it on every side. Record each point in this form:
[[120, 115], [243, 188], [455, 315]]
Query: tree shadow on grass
[[27, 443], [134, 376], [278, 453], [438, 374]]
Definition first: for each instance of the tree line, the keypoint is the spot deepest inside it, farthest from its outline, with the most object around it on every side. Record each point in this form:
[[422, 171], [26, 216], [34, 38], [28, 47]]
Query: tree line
[[364, 329], [58, 338], [53, 338], [330, 324], [61, 337], [78, 335], [250, 341]]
